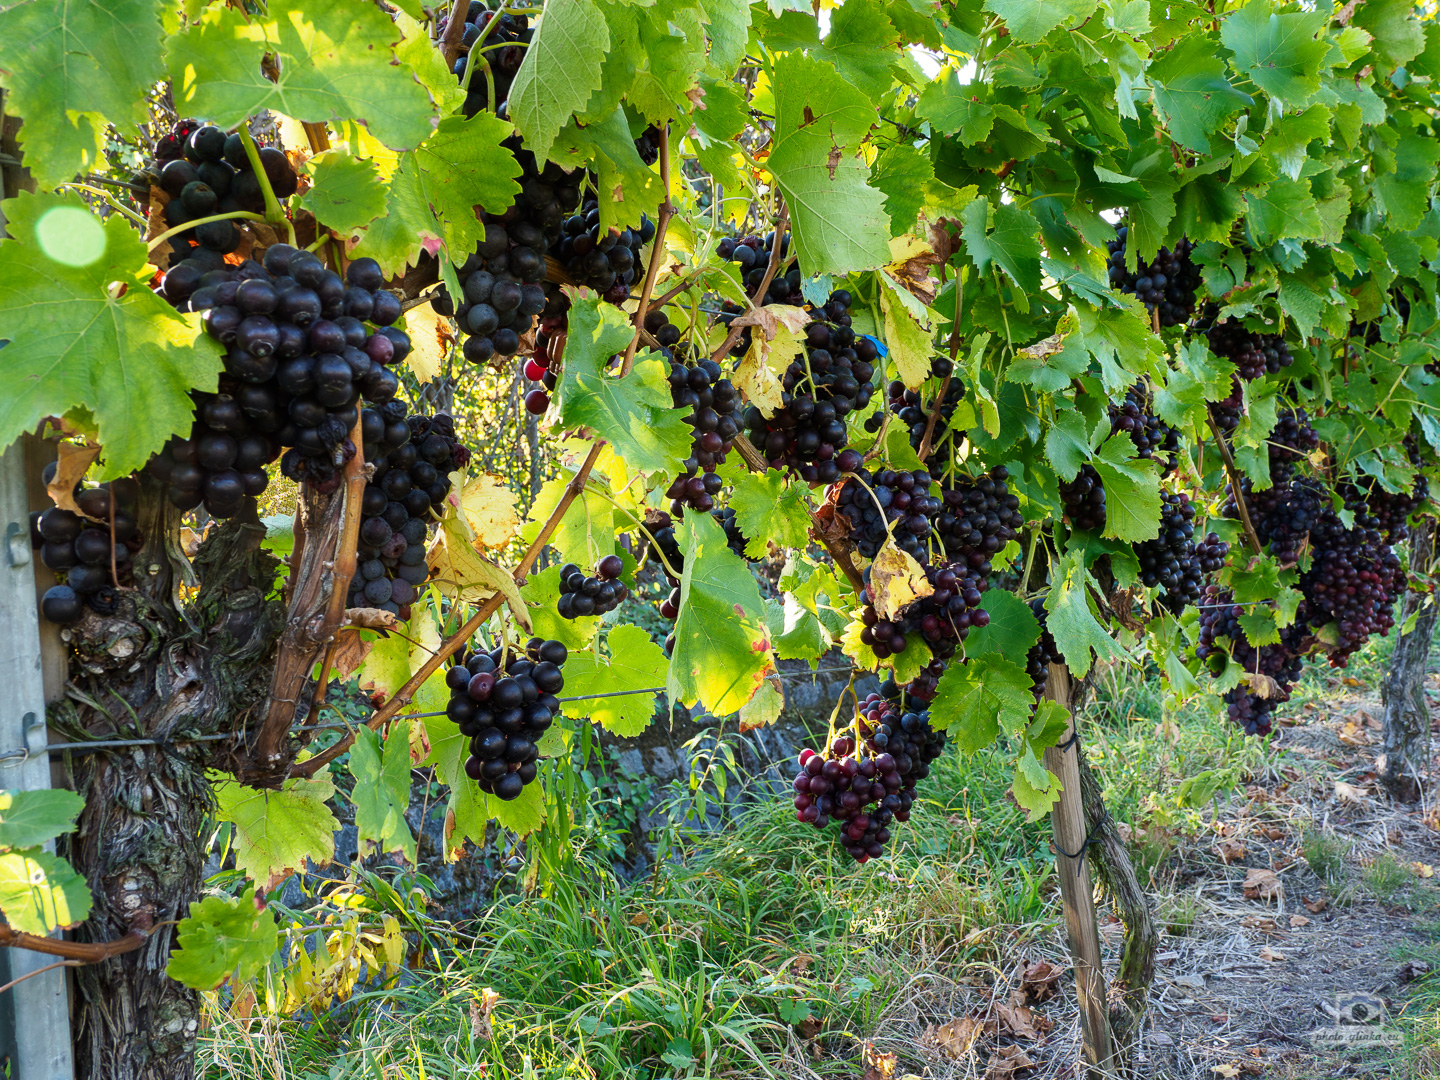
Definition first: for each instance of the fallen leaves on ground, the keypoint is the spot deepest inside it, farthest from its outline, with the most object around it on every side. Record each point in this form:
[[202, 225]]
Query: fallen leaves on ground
[[1270, 954], [1262, 884], [878, 1065], [1229, 850], [1349, 793], [1317, 905], [1039, 979], [1006, 1062], [1297, 921], [954, 1039]]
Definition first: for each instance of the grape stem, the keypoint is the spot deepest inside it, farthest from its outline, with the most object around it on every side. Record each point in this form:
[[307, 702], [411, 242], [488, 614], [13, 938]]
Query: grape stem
[[764, 287], [231, 216], [657, 252], [274, 215], [1234, 474], [454, 644], [110, 201]]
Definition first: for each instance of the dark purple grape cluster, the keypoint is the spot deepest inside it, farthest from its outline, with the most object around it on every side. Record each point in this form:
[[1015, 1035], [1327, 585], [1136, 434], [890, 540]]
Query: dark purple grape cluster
[[1284, 513], [1293, 437], [1084, 499], [1353, 582], [752, 255], [405, 495], [1253, 354], [504, 701], [943, 619], [608, 262], [913, 410], [82, 549], [735, 540], [711, 400], [222, 462], [205, 172], [502, 281], [648, 145], [1153, 438], [1227, 411], [820, 389], [1043, 653], [1167, 283], [871, 502], [504, 42], [980, 517], [852, 789], [1173, 559], [591, 594], [1282, 661]]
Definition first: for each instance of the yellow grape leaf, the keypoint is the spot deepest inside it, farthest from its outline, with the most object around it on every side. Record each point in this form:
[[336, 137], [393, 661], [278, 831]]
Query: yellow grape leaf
[[898, 580], [462, 573], [764, 708], [776, 340], [907, 331], [430, 342], [910, 262], [487, 507], [277, 831]]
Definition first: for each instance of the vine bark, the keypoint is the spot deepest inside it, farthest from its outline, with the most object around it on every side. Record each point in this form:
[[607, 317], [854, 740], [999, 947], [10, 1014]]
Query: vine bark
[[1405, 740]]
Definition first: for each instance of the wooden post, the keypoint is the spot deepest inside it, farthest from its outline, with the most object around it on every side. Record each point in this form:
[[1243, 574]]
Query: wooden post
[[1076, 892], [35, 1014]]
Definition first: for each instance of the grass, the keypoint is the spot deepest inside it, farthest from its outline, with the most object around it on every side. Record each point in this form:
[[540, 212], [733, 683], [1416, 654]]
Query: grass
[[719, 961], [1324, 851]]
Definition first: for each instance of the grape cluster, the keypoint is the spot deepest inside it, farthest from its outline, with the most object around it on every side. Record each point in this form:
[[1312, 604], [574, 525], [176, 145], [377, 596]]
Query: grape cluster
[[752, 255], [1292, 439], [735, 540], [942, 619], [1387, 511], [405, 495], [1281, 661], [1227, 411], [223, 460], [979, 518], [853, 790], [1043, 653], [608, 262], [1084, 499], [1167, 283], [1253, 354], [911, 409], [542, 368], [820, 389], [1153, 438], [1173, 559], [504, 701], [648, 145], [872, 502], [1284, 513], [206, 172], [711, 400], [502, 280], [505, 41], [83, 549], [597, 594], [1353, 582]]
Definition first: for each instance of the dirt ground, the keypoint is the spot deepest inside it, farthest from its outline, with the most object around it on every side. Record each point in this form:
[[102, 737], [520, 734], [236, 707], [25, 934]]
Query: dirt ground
[[1309, 906]]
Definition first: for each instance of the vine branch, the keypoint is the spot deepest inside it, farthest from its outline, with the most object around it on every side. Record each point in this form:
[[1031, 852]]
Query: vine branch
[[1234, 474], [85, 952], [764, 287], [657, 252], [454, 31]]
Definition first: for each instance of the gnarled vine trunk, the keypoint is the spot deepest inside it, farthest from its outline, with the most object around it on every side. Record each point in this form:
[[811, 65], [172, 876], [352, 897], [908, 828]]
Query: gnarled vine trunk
[[171, 669], [1401, 764]]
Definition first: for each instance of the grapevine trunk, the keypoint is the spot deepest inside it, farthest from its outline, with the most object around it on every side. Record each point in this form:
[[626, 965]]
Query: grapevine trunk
[[1407, 716]]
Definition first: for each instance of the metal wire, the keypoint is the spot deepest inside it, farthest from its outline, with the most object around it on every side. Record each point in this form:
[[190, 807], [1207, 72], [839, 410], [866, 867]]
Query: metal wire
[[119, 744]]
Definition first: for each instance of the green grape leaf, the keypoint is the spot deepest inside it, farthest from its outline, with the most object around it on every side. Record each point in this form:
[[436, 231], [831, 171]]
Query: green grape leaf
[[673, 52], [309, 62], [769, 510], [74, 69], [977, 699], [1067, 444], [86, 331], [277, 831], [838, 220], [907, 331], [1070, 619], [224, 937], [1132, 491], [862, 45], [1397, 37], [1030, 20], [798, 632], [728, 27], [542, 593], [1206, 208], [1285, 209], [1012, 244], [634, 414], [1012, 630], [722, 648], [1405, 192], [953, 109], [41, 892], [1192, 94], [382, 790], [434, 191], [586, 533], [636, 663], [1036, 788], [560, 71], [903, 174], [1280, 53], [1051, 365], [348, 192], [626, 188], [34, 818]]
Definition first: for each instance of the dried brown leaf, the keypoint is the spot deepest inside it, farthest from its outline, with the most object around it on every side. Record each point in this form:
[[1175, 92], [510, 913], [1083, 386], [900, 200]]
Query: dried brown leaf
[[1262, 884], [73, 462], [1006, 1062]]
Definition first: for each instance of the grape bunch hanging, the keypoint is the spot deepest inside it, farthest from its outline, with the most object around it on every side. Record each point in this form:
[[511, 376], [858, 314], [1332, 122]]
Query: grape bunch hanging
[[1153, 438], [1281, 661], [711, 400], [1353, 582], [607, 261], [503, 37], [1283, 514], [752, 255], [504, 701], [943, 619], [1293, 438], [1173, 559], [1167, 283], [599, 593], [91, 553], [1254, 354], [1043, 653], [912, 410]]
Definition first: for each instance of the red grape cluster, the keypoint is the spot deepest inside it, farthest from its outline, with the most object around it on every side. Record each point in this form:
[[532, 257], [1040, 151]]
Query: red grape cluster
[[1253, 354], [594, 594], [872, 502], [710, 401], [1173, 559], [1043, 653], [543, 367], [852, 789], [1153, 438], [504, 701], [1219, 622], [1168, 282], [1353, 582], [808, 433], [943, 618], [504, 41], [735, 540], [979, 517], [1284, 513], [752, 255], [1084, 499], [1292, 439], [81, 550]]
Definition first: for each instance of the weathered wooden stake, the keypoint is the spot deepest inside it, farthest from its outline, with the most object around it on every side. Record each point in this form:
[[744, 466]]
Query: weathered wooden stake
[[1076, 892]]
